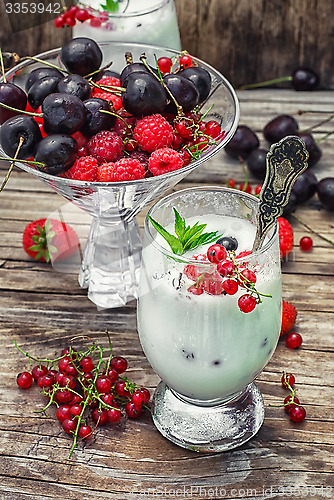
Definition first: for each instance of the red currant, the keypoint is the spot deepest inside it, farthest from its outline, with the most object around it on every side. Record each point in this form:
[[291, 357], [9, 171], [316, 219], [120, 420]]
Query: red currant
[[248, 275], [216, 253], [132, 410], [297, 413], [67, 381], [76, 410], [196, 289], [45, 381], [59, 22], [63, 396], [103, 384], [138, 397], [293, 340], [231, 183], [165, 64], [24, 380], [212, 129], [306, 243], [257, 189], [82, 15], [112, 375], [85, 431], [247, 188], [63, 412], [225, 267], [69, 425], [113, 414], [289, 402], [183, 129], [108, 399], [99, 416], [86, 364], [247, 303], [39, 370], [146, 394], [121, 390], [230, 286], [186, 61], [287, 380], [63, 363], [119, 364]]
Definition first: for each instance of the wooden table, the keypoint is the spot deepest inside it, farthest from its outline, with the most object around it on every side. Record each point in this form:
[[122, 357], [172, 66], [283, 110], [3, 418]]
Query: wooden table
[[42, 309]]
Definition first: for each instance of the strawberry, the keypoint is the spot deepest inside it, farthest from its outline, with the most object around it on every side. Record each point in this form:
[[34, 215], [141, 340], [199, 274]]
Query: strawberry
[[285, 233], [289, 314], [49, 239]]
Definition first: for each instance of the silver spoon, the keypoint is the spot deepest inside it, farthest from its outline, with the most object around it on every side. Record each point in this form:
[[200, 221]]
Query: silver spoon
[[286, 160]]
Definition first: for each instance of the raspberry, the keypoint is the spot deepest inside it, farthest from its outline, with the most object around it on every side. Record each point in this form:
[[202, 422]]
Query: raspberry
[[126, 169], [289, 314], [108, 96], [285, 233], [153, 132], [164, 160], [106, 146], [109, 81], [83, 169]]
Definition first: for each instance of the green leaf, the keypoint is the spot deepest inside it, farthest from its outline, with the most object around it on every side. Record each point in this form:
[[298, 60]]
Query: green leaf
[[111, 5], [180, 224], [172, 240]]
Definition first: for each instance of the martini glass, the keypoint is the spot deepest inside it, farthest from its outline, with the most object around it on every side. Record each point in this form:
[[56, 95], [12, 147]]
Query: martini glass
[[111, 261], [204, 347]]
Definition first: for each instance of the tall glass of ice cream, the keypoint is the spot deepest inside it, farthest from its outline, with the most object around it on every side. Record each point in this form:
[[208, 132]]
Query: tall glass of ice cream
[[209, 322], [144, 21]]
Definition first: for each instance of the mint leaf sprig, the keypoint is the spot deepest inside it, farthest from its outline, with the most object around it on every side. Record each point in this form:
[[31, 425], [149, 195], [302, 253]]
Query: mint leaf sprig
[[187, 237]]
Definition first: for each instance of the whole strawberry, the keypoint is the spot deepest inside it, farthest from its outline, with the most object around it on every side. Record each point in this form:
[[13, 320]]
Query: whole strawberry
[[49, 239], [285, 233], [289, 314]]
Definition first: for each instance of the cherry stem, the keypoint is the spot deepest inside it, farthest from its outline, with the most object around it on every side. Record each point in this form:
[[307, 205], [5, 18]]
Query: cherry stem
[[322, 122], [21, 111], [304, 111], [36, 59], [324, 136], [98, 70], [266, 83], [113, 89], [298, 219], [2, 67], [21, 141]]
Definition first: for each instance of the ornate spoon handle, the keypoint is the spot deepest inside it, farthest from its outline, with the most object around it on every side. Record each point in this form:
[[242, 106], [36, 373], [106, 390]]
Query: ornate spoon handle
[[286, 160]]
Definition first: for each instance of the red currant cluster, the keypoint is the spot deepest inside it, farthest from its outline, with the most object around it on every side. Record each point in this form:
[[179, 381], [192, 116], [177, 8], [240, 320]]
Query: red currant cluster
[[73, 14], [226, 278], [84, 388], [245, 186], [297, 413]]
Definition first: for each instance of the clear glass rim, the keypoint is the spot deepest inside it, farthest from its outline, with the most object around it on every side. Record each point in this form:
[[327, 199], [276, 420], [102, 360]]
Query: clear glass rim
[[98, 185], [117, 15], [148, 226]]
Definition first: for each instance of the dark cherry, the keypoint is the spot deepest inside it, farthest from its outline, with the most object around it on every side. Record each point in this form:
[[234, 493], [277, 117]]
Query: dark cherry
[[81, 56], [16, 127], [133, 68], [75, 85], [302, 190], [105, 73], [257, 163], [325, 190], [144, 95], [14, 96], [280, 127], [39, 73], [40, 89], [201, 78], [305, 79], [312, 147], [242, 143], [228, 242], [184, 91], [58, 152], [95, 120], [63, 113]]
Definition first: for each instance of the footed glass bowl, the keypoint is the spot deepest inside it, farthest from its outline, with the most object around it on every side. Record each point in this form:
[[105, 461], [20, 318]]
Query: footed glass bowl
[[111, 261]]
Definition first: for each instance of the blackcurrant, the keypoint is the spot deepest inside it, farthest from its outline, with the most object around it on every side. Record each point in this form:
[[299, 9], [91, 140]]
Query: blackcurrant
[[201, 78], [184, 91], [15, 128], [280, 127], [95, 120], [63, 113], [58, 152], [242, 143], [228, 242], [81, 56], [144, 94], [40, 89], [75, 85], [14, 96], [39, 73]]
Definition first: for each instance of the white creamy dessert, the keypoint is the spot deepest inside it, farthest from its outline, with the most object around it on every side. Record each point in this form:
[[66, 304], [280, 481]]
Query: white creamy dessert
[[203, 346]]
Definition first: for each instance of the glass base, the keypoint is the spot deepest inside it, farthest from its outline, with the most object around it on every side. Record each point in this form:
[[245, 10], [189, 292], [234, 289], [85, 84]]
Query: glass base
[[209, 429], [110, 267]]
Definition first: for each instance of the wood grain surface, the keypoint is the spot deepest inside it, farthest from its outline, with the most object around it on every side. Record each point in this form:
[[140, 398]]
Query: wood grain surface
[[42, 309]]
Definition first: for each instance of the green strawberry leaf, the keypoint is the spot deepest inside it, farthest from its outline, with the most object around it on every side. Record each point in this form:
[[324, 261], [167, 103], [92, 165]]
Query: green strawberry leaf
[[111, 5], [187, 237]]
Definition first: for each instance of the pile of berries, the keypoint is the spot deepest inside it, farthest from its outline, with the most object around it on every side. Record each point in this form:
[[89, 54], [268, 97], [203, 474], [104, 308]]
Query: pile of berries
[[93, 124], [88, 389], [227, 277], [296, 411]]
